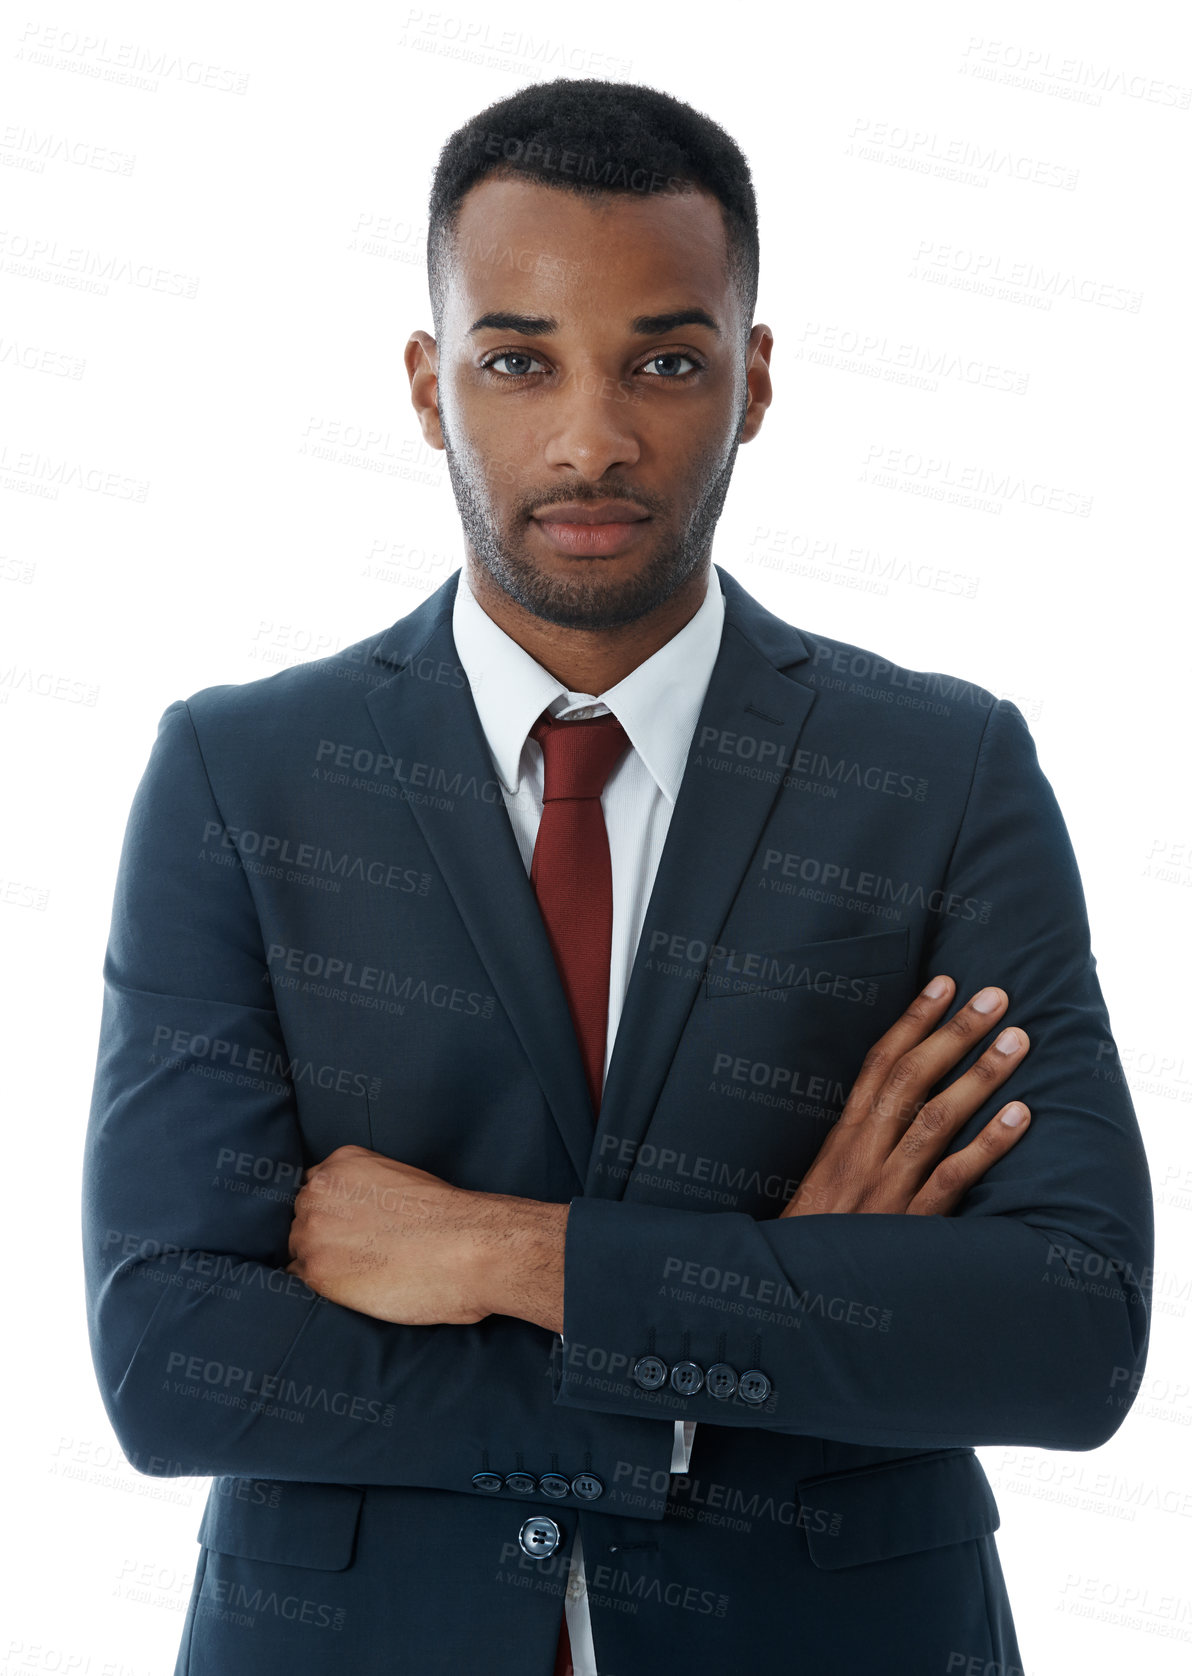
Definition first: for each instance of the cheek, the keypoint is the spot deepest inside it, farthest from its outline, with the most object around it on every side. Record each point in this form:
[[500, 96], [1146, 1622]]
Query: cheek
[[702, 452], [492, 464]]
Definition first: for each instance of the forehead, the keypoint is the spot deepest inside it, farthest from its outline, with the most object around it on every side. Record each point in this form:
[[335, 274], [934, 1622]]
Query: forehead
[[519, 243]]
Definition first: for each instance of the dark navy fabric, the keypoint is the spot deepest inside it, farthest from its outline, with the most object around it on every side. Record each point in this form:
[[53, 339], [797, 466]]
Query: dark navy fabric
[[323, 933]]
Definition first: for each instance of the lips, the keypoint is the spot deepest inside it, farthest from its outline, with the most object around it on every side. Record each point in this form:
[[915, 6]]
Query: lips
[[582, 512], [591, 540]]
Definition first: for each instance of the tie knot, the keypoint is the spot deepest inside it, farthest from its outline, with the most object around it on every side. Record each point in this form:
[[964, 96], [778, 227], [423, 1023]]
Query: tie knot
[[578, 756]]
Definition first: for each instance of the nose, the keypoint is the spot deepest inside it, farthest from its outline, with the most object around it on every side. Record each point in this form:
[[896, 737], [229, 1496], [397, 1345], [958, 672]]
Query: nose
[[591, 425]]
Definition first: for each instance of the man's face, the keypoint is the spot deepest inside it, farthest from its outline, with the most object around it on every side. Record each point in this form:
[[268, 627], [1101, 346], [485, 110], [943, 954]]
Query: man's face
[[550, 385]]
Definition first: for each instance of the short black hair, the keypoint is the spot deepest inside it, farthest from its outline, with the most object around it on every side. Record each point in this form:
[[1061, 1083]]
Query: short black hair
[[594, 137]]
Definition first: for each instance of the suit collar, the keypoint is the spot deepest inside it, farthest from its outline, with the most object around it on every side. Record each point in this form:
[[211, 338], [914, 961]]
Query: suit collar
[[657, 703], [776, 640]]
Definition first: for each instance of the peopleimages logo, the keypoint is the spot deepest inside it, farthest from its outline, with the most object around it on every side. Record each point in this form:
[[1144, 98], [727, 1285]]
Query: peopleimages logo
[[361, 982], [199, 1377], [771, 754], [270, 847], [260, 1061], [811, 870]]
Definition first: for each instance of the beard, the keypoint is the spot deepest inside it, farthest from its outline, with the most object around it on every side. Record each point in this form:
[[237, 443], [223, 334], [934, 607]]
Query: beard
[[589, 599]]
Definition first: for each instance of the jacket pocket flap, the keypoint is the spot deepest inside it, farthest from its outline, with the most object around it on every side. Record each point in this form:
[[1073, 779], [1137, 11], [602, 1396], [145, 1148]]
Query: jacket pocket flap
[[898, 1507], [754, 971], [285, 1523]]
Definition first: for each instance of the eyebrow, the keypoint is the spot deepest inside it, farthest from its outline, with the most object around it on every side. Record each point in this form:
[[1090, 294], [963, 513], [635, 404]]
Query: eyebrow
[[542, 325]]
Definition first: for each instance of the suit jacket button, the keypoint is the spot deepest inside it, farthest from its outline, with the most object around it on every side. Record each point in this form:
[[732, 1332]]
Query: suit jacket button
[[490, 1482], [649, 1372], [754, 1386], [722, 1380], [521, 1483], [686, 1378], [539, 1537], [587, 1486], [553, 1484]]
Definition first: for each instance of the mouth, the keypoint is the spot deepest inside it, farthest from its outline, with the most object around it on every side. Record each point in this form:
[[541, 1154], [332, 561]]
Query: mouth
[[590, 539], [592, 512]]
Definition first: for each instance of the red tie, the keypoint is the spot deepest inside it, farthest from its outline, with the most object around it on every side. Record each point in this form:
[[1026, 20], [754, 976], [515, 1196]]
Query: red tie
[[571, 871], [572, 876]]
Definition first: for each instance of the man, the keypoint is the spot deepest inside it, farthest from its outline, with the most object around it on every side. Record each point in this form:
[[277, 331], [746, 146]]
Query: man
[[599, 1113]]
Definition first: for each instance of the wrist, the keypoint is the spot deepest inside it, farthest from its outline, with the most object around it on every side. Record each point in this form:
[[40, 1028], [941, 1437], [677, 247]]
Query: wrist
[[517, 1258]]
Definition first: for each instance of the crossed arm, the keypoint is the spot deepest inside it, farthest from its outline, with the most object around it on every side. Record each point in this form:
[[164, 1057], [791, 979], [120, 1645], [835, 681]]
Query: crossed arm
[[1023, 1318], [398, 1243]]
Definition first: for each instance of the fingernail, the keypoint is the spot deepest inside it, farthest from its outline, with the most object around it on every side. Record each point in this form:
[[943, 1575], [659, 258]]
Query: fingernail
[[936, 988], [986, 1001], [1014, 1115], [1008, 1042]]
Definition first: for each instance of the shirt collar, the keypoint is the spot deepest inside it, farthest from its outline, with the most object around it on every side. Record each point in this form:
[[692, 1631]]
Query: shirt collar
[[658, 703]]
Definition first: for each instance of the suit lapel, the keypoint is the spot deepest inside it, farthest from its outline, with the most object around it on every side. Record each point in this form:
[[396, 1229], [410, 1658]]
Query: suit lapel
[[424, 712]]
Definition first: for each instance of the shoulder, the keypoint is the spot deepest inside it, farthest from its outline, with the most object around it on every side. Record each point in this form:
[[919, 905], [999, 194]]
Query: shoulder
[[856, 686], [861, 692], [273, 706]]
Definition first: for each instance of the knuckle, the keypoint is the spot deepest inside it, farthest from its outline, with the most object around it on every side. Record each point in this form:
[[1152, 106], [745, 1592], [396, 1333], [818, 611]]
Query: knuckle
[[877, 1059], [935, 1117], [904, 1071], [843, 1171], [919, 1011], [949, 1177], [988, 1069], [912, 1143], [888, 1103], [962, 1026]]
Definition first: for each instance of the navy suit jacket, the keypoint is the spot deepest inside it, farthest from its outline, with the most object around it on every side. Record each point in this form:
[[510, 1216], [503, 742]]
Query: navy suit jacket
[[323, 933]]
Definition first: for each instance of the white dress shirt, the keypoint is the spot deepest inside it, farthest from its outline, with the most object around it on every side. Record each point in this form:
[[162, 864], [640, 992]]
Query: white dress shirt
[[658, 705]]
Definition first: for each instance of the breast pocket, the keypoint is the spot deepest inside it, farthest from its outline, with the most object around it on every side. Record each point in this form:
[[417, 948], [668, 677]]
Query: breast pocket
[[829, 967]]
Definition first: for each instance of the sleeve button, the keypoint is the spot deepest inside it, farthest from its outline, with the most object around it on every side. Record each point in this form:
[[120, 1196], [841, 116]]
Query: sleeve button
[[722, 1380], [754, 1386], [686, 1378], [649, 1372]]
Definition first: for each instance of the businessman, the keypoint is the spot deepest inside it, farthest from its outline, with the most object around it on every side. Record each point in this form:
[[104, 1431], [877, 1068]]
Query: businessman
[[604, 1099]]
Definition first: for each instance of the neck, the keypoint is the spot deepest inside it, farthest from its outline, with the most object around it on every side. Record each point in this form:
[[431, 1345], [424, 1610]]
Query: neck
[[588, 660]]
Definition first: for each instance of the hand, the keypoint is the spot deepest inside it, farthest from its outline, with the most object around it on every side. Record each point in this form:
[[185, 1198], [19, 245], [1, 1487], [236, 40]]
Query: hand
[[387, 1239], [879, 1154]]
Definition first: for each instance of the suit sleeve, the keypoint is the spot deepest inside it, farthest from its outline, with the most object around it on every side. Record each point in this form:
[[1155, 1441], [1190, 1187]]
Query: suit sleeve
[[1020, 1319], [211, 1358]]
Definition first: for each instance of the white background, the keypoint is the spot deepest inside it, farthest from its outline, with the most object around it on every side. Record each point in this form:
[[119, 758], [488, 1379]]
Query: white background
[[210, 468]]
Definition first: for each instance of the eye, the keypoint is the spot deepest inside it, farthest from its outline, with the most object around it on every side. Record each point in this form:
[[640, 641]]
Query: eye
[[508, 355], [674, 355], [524, 356]]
